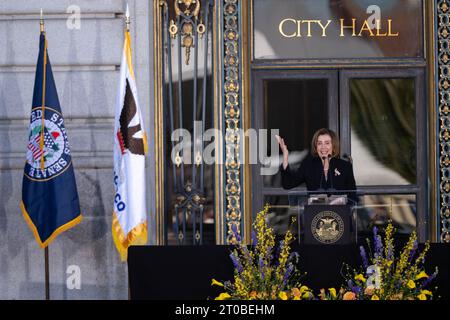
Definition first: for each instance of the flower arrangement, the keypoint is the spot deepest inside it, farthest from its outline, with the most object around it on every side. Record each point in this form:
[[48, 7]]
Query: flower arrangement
[[263, 271], [383, 276]]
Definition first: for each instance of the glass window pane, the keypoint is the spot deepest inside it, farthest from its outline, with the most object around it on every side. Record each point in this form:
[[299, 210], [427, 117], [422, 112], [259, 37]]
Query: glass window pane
[[297, 108], [383, 131], [377, 210], [282, 210], [313, 29]]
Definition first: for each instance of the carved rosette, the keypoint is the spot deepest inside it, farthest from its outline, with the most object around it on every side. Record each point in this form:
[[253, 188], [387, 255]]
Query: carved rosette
[[232, 117], [443, 61]]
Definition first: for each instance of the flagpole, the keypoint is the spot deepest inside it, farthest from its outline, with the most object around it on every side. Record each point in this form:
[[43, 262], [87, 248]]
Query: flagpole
[[127, 29], [127, 19], [41, 21], [47, 276], [47, 271]]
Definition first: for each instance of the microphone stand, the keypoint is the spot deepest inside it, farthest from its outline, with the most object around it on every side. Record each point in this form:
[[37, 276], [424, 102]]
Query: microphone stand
[[330, 173], [322, 173]]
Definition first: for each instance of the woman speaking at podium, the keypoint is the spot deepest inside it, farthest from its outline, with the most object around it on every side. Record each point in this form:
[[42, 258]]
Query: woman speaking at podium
[[323, 170]]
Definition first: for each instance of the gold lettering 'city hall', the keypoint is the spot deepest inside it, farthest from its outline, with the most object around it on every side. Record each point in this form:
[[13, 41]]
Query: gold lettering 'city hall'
[[290, 28]]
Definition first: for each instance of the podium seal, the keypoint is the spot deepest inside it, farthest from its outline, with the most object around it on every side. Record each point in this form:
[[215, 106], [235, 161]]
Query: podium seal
[[327, 227]]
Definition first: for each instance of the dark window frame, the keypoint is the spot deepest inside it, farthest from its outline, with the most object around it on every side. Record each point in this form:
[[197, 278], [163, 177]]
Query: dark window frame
[[339, 113]]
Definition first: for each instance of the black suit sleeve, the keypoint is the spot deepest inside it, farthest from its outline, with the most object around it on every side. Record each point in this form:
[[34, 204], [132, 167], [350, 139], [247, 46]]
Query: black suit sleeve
[[292, 178], [350, 183]]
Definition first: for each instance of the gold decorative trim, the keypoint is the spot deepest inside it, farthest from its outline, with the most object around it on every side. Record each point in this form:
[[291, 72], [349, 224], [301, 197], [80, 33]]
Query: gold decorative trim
[[330, 64], [232, 69], [431, 89], [218, 116], [158, 131], [246, 106], [443, 14], [251, 32]]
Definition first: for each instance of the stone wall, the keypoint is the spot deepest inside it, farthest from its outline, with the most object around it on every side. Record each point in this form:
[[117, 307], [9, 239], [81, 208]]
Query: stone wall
[[86, 65]]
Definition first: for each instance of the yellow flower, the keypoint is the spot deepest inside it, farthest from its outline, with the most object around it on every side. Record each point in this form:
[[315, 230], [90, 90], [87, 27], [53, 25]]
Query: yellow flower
[[217, 283], [296, 298], [349, 296], [240, 287], [421, 275], [332, 292], [375, 297], [426, 292], [283, 295], [253, 295], [307, 295], [303, 289], [422, 296], [411, 284], [360, 277], [223, 296]]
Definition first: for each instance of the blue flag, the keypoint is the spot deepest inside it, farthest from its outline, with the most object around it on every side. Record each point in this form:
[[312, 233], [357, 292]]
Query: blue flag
[[50, 203]]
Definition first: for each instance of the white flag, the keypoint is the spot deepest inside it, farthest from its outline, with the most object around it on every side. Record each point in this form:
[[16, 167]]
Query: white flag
[[129, 226]]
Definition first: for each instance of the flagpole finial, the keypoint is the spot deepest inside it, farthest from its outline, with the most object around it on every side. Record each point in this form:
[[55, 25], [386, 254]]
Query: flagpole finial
[[41, 21], [127, 18]]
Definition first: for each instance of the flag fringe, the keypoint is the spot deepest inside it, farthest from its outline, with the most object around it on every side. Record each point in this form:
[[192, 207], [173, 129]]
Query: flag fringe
[[137, 236], [55, 233]]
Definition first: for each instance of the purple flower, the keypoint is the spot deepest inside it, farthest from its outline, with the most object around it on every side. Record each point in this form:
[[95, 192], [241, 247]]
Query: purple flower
[[261, 263], [375, 233], [363, 254], [294, 255], [429, 279], [261, 267], [377, 242], [254, 238], [353, 288], [279, 248], [237, 263], [378, 247], [288, 272], [413, 251], [247, 255], [390, 254]]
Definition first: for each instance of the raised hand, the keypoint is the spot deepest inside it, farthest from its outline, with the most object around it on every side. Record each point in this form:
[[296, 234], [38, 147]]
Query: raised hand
[[284, 149]]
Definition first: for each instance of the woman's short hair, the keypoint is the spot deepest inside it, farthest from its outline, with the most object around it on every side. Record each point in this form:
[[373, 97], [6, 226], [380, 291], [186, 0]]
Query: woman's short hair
[[334, 141]]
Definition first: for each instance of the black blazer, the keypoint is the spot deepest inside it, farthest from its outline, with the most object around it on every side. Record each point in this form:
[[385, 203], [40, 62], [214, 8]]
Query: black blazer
[[340, 176]]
